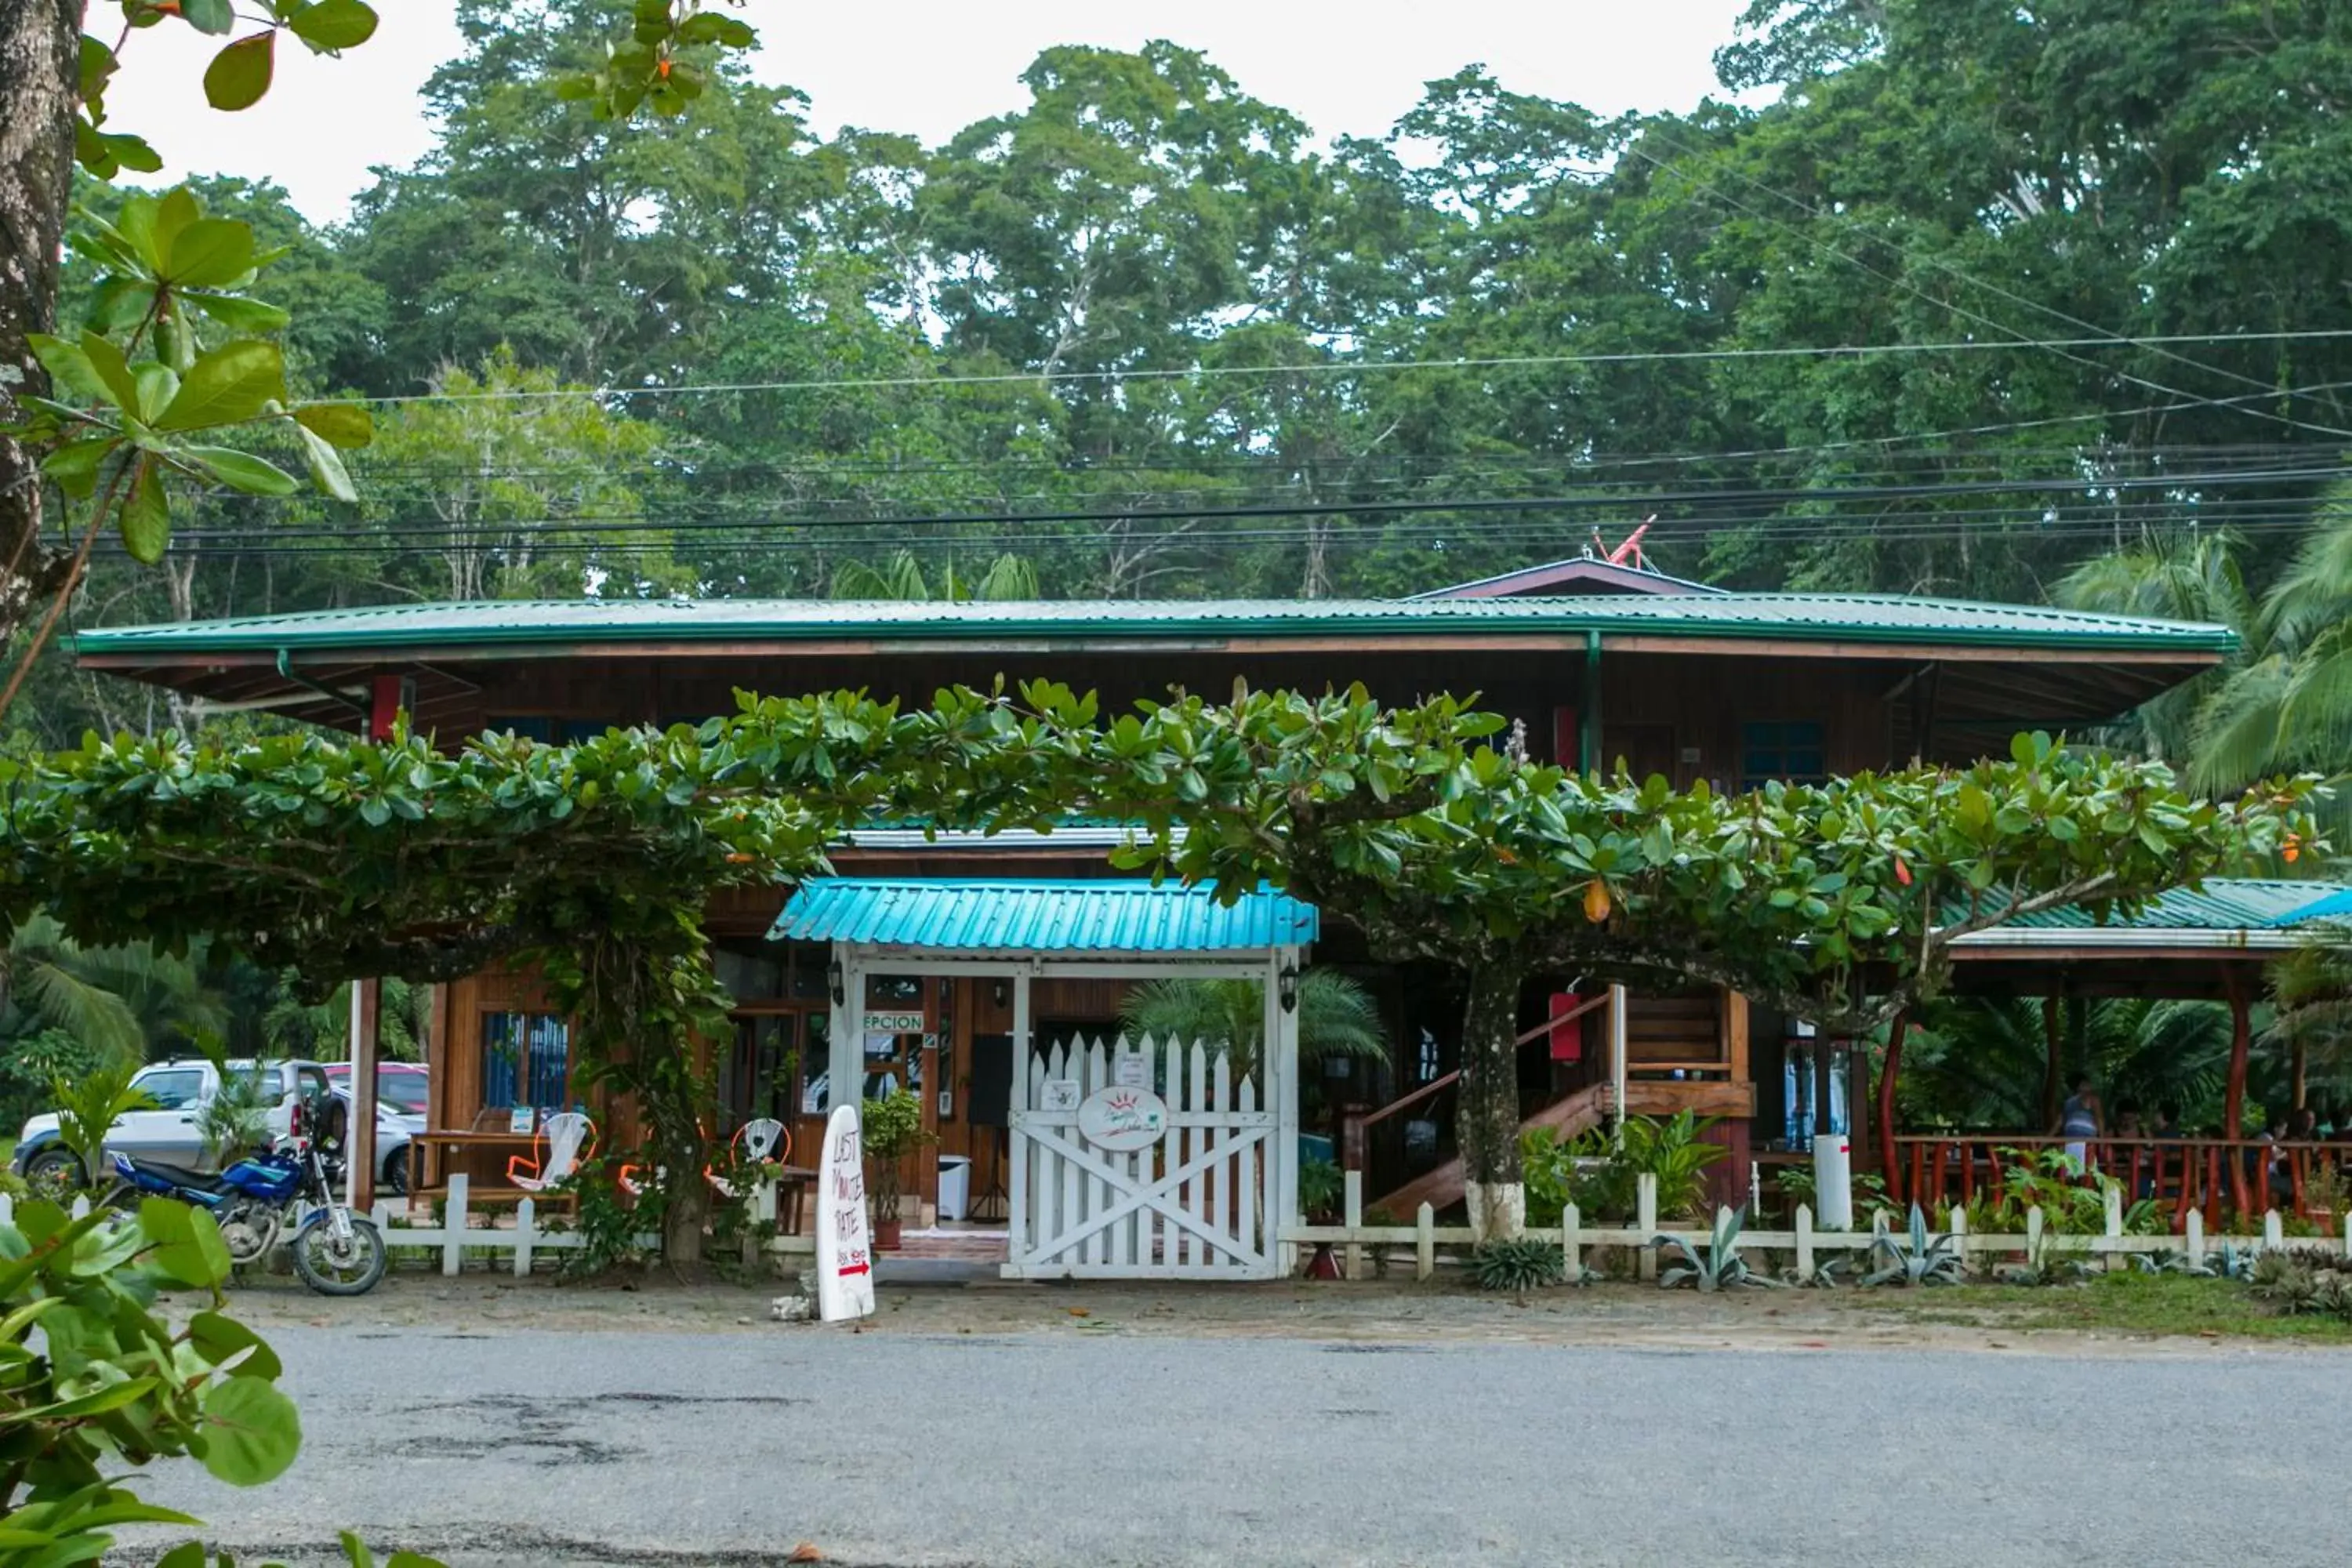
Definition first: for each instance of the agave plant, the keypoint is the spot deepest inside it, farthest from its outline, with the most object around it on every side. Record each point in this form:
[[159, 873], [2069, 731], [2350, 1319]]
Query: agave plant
[[2230, 1261], [1925, 1261], [1519, 1264], [1719, 1267], [2164, 1260]]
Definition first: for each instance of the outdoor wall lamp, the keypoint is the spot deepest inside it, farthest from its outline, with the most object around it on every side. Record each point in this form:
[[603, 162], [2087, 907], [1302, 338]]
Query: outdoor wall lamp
[[1286, 987], [996, 991], [840, 985]]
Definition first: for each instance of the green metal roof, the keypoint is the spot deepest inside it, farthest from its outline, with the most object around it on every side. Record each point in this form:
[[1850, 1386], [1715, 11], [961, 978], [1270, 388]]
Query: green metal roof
[[1824, 618], [953, 915], [2223, 904], [2336, 906]]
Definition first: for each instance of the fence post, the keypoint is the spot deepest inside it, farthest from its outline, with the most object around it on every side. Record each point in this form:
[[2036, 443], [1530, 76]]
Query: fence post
[[1571, 1253], [1645, 1220], [453, 1224], [1958, 1223], [2033, 1236], [2347, 1233], [1424, 1243], [1351, 1188], [1804, 1244], [2114, 1196], [2273, 1233], [526, 1231], [2194, 1237]]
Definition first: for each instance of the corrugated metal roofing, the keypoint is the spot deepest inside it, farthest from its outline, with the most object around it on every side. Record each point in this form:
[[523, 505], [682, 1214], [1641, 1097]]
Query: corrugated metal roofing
[[1846, 617], [2225, 903], [2336, 906], [950, 915]]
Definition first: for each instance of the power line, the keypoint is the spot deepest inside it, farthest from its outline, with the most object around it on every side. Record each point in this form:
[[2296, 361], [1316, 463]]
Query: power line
[[1360, 367], [2022, 340], [1941, 265]]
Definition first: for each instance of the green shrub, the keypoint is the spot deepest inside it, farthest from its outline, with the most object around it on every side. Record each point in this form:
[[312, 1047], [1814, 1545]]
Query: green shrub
[[1521, 1263]]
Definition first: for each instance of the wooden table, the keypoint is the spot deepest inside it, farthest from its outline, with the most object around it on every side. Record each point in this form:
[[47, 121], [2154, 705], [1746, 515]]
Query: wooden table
[[457, 1141]]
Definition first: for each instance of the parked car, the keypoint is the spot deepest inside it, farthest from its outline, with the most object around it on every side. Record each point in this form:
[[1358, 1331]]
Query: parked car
[[401, 1103], [166, 1133]]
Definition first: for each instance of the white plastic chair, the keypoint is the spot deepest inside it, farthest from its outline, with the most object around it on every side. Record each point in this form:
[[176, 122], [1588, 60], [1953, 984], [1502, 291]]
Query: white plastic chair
[[762, 1138], [564, 1140]]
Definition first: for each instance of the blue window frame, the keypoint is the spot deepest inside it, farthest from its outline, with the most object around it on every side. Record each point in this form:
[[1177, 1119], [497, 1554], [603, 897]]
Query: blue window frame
[[1792, 752], [526, 1060]]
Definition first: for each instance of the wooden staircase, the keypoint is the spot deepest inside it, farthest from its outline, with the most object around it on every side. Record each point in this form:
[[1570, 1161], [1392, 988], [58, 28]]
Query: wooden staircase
[[1442, 1187]]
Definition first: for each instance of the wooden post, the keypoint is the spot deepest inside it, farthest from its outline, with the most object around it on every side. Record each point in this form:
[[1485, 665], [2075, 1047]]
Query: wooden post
[[2114, 1226], [452, 1225], [1645, 1220], [2233, 1113], [2033, 1236], [367, 1029], [2301, 1059], [1351, 1186], [2053, 1068], [1424, 1243], [1887, 1079]]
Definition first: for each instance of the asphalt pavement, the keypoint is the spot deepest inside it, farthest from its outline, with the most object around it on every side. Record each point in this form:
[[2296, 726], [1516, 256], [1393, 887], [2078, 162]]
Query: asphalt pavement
[[1092, 1451]]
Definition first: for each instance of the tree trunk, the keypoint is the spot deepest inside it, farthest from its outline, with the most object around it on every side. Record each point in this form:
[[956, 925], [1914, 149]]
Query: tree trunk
[[685, 1215], [40, 53], [1487, 1122]]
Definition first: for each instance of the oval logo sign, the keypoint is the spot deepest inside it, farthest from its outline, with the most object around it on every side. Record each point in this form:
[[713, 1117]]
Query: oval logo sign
[[1122, 1120]]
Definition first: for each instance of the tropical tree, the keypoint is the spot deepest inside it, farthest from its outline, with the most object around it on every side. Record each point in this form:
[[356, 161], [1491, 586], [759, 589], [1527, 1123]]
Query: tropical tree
[[1338, 1020], [1980, 1064], [2311, 1023], [121, 1001], [1008, 577]]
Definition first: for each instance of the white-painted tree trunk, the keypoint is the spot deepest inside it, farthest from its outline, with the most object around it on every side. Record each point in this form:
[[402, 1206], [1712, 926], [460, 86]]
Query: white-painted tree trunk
[[1498, 1210]]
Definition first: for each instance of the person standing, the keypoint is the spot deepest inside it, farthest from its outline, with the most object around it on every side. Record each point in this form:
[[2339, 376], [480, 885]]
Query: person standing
[[2079, 1122]]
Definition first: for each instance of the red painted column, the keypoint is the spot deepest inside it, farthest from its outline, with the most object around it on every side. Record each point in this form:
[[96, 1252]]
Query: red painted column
[[384, 706], [2233, 1109]]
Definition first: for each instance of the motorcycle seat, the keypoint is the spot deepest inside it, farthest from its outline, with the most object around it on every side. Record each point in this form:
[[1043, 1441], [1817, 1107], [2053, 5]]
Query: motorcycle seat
[[179, 1175]]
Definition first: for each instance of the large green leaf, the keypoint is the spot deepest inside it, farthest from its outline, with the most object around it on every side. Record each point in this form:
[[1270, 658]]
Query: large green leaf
[[74, 466], [146, 515], [210, 252], [334, 23], [325, 465], [237, 312], [337, 424], [213, 16], [235, 382], [241, 470], [218, 1337], [186, 1244], [239, 75], [112, 370], [251, 1431]]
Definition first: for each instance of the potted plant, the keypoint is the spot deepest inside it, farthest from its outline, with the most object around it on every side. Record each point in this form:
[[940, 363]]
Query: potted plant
[[1321, 1189], [889, 1127]]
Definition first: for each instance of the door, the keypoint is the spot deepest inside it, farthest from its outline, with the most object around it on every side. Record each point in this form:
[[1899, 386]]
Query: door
[[166, 1130], [1093, 1200]]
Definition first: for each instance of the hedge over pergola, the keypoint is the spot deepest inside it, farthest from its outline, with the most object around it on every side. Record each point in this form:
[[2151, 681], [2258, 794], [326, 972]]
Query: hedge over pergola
[[347, 859]]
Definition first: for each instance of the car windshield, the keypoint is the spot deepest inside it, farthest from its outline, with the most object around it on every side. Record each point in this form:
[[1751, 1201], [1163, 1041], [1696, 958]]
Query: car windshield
[[403, 1089]]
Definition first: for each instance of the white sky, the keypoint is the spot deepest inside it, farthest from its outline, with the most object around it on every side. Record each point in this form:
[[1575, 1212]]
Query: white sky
[[931, 68]]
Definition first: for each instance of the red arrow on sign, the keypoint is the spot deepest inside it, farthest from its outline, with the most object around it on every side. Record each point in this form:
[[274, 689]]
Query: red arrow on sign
[[847, 1268]]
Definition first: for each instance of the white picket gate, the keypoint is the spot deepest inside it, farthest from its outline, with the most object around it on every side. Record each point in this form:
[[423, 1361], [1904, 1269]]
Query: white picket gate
[[1198, 1204]]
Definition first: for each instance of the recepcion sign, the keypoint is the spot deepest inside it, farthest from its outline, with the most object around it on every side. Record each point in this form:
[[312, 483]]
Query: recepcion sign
[[880, 1023]]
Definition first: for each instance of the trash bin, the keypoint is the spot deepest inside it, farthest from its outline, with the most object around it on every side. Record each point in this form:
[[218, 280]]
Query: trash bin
[[955, 1185]]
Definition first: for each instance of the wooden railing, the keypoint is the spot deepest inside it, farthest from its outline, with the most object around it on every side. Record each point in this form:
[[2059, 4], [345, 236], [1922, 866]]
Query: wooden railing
[[1372, 1141], [2208, 1175]]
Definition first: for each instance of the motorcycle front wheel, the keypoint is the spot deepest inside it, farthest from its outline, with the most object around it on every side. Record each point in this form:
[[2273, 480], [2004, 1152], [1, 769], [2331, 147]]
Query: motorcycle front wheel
[[333, 1266]]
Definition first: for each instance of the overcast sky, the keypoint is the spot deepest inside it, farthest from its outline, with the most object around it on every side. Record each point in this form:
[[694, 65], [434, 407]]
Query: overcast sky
[[931, 68]]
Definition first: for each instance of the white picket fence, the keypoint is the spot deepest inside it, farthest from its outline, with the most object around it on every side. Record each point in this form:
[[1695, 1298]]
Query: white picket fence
[[456, 1239], [1804, 1240], [1196, 1202]]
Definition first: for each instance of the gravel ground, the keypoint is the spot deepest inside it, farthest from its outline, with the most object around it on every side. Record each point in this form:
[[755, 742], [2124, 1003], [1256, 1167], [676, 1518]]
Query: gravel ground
[[1003, 1428]]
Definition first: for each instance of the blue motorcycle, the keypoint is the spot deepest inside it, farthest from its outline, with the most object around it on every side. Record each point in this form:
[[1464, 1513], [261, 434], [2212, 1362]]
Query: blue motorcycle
[[288, 1195]]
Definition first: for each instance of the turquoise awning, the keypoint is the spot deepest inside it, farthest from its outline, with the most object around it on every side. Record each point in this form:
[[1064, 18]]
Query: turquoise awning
[[2336, 906], [953, 915]]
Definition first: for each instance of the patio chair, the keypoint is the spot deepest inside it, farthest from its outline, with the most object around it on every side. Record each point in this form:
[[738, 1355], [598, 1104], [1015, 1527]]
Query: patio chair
[[764, 1138], [564, 1140]]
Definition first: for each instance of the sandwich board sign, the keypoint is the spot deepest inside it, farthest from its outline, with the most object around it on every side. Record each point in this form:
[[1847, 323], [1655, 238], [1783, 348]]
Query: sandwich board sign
[[844, 1251]]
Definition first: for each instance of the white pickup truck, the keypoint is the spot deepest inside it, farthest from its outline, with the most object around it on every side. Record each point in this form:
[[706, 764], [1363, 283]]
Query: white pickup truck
[[167, 1130]]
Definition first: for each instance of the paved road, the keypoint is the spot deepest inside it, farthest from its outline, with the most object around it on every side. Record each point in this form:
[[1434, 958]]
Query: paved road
[[655, 1448]]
